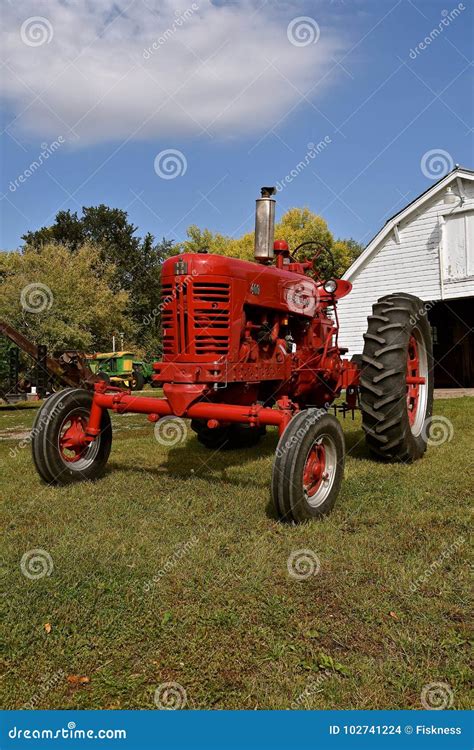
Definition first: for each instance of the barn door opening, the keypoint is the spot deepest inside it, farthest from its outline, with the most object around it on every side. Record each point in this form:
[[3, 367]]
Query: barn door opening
[[453, 342]]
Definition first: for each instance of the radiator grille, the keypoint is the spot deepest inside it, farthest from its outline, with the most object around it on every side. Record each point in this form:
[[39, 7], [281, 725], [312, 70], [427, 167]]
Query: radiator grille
[[211, 302], [196, 319], [167, 318]]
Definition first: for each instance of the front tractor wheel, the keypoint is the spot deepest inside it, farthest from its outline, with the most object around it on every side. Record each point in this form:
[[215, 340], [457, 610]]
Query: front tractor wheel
[[60, 452], [308, 467], [397, 378]]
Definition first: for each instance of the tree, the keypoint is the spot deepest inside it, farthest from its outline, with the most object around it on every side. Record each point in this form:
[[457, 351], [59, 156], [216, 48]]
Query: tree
[[345, 253], [297, 225], [130, 263], [6, 347], [56, 297], [202, 239]]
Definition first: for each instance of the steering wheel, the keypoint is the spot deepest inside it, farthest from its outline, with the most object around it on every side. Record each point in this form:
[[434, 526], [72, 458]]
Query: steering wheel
[[321, 249]]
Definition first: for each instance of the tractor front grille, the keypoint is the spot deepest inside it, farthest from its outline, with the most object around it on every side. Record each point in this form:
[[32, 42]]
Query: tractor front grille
[[196, 320], [167, 319], [211, 303]]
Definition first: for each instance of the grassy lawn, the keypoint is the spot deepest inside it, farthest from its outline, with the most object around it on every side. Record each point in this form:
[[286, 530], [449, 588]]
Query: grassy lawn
[[173, 569]]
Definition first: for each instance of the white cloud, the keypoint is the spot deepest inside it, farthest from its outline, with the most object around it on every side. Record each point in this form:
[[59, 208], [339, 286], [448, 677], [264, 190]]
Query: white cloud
[[110, 70]]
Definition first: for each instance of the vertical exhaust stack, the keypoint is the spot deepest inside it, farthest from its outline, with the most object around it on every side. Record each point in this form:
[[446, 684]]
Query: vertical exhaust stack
[[265, 225]]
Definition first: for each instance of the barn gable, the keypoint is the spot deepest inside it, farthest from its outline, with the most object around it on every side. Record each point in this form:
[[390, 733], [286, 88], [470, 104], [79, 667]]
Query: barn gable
[[427, 249]]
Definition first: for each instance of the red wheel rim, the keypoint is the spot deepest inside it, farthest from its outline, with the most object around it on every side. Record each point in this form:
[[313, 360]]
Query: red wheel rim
[[314, 472], [413, 379], [72, 444]]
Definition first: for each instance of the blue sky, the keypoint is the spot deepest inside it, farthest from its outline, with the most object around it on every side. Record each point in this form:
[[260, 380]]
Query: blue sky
[[239, 90]]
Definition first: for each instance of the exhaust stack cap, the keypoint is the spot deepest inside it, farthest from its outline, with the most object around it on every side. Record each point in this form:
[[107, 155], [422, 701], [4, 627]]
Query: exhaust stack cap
[[265, 224]]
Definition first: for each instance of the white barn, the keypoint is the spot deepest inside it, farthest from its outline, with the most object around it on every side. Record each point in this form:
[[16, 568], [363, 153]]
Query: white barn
[[427, 249]]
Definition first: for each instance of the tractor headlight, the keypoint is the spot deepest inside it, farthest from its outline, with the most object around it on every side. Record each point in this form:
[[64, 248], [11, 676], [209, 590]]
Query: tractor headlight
[[330, 286]]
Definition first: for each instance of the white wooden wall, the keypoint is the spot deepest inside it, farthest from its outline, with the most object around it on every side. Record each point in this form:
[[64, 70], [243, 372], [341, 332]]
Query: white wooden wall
[[457, 254], [414, 265]]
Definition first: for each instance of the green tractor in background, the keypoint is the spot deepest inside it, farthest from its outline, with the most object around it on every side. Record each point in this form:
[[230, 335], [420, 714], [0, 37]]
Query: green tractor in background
[[121, 369]]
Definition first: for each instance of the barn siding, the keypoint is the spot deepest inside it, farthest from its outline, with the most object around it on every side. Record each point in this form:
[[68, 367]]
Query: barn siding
[[457, 289], [412, 266]]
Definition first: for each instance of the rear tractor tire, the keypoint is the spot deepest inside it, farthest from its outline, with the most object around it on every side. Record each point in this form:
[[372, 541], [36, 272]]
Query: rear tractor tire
[[59, 454], [396, 383], [308, 467], [230, 437]]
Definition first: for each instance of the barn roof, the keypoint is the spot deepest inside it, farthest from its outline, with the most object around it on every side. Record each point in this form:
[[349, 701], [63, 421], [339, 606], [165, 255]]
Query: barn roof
[[457, 172]]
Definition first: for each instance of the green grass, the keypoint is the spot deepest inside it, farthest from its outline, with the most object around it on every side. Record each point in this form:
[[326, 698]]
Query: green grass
[[224, 619]]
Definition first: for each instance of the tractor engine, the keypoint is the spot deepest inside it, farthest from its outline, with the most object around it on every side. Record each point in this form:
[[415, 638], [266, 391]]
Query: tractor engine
[[236, 331]]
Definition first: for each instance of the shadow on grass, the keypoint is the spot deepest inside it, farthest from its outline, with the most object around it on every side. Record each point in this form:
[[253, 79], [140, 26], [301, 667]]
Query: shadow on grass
[[356, 446], [193, 460]]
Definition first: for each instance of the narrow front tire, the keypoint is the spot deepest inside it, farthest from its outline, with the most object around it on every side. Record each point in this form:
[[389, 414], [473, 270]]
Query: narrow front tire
[[308, 467], [60, 453]]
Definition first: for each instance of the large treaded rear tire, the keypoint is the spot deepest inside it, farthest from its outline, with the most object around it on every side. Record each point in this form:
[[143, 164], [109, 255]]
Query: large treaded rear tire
[[396, 319]]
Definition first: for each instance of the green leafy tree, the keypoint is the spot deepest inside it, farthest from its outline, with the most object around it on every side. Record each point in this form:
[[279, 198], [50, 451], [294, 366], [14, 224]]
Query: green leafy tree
[[129, 263], [345, 253], [5, 348], [57, 298], [297, 225], [203, 239]]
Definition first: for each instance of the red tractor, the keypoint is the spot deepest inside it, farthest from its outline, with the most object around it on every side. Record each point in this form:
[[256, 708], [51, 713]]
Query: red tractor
[[246, 345]]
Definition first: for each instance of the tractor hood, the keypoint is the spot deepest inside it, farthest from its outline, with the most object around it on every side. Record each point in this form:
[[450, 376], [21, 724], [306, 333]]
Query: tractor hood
[[260, 285], [263, 286]]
